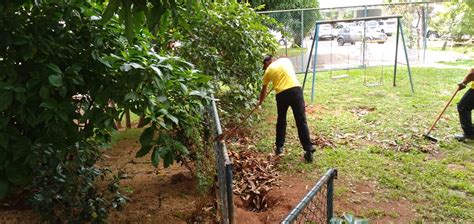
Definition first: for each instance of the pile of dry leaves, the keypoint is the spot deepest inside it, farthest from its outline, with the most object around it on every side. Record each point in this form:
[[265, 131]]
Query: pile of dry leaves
[[254, 177], [322, 141]]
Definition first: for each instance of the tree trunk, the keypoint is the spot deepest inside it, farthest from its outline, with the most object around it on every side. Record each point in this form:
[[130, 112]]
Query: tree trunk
[[128, 123], [444, 45], [298, 41], [141, 121]]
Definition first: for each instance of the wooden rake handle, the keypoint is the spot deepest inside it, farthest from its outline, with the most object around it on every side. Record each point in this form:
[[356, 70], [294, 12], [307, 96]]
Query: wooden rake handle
[[230, 132], [442, 112]]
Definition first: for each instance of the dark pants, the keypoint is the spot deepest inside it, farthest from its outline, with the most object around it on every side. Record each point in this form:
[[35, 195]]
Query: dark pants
[[465, 107], [293, 98]]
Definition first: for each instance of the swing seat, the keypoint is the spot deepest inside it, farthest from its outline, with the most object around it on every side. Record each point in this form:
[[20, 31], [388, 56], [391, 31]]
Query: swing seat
[[340, 76], [373, 84]]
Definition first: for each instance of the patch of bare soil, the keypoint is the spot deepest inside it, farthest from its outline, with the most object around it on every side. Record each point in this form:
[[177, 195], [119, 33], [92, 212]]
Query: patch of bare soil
[[285, 197], [156, 195], [362, 111], [360, 200]]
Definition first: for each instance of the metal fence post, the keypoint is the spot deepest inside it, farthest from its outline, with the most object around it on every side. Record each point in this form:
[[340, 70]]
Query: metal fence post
[[330, 196], [230, 193], [302, 40]]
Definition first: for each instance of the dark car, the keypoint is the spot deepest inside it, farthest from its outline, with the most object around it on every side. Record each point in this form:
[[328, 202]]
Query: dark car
[[352, 34]]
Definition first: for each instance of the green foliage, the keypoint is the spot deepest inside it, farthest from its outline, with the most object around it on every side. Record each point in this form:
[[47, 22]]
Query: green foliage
[[228, 41], [457, 20], [63, 180], [155, 14], [349, 219], [65, 77]]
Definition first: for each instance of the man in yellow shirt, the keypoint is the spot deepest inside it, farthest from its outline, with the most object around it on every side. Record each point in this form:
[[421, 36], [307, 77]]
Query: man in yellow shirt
[[289, 94], [465, 106]]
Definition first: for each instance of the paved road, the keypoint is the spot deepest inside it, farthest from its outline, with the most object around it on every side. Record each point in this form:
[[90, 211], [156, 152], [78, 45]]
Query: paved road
[[332, 56]]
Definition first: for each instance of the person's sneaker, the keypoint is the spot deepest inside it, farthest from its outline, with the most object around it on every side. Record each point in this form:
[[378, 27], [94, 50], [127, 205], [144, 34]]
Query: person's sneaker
[[462, 137], [279, 150], [308, 156]]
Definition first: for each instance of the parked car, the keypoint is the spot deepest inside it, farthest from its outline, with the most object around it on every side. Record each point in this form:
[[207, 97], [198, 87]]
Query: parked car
[[389, 27], [352, 34], [372, 26], [327, 31]]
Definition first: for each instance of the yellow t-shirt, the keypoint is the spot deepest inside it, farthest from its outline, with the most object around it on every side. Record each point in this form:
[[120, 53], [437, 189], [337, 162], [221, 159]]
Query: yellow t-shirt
[[282, 74]]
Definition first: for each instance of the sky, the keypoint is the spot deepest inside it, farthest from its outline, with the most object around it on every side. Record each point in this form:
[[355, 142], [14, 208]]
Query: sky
[[341, 3]]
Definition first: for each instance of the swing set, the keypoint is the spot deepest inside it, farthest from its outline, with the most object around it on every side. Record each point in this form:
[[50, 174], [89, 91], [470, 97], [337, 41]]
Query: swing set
[[364, 51]]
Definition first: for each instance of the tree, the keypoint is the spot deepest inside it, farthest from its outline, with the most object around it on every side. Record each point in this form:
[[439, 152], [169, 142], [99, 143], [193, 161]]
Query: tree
[[291, 21], [457, 20], [60, 69]]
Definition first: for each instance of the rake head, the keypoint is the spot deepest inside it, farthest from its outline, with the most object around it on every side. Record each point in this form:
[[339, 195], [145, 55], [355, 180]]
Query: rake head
[[430, 137]]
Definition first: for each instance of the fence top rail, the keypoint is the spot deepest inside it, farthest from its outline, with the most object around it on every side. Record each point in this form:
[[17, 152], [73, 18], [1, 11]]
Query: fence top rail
[[217, 121], [347, 7], [357, 19], [331, 173]]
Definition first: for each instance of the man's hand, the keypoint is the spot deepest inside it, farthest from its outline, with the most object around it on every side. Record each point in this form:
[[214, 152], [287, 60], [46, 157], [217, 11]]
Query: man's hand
[[461, 86]]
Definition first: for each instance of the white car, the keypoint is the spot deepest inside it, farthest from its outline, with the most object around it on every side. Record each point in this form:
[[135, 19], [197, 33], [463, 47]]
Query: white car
[[389, 27], [326, 31]]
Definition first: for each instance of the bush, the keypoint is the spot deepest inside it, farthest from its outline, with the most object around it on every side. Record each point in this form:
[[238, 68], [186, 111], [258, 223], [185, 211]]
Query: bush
[[66, 77], [228, 42]]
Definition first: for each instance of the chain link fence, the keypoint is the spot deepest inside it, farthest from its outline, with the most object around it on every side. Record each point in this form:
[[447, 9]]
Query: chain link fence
[[424, 44], [224, 192], [317, 205]]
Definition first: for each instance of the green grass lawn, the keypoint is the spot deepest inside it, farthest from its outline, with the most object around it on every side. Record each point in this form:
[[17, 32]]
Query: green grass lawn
[[377, 132], [291, 51]]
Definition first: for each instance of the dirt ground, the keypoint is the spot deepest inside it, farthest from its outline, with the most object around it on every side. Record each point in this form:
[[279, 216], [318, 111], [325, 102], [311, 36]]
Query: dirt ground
[[359, 200], [169, 196]]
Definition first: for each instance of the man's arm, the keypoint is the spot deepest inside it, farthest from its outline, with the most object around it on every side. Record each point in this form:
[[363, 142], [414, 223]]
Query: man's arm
[[263, 92], [467, 79]]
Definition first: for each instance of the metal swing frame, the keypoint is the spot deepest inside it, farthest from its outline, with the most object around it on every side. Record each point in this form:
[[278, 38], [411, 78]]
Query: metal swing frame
[[314, 46]]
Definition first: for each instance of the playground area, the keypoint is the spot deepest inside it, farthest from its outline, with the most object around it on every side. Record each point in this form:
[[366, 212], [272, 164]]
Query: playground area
[[386, 169]]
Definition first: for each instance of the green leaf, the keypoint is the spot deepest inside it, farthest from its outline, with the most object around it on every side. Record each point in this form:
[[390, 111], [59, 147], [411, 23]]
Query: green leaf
[[157, 71], [336, 220], [78, 80], [168, 159], [110, 10], [136, 65], [44, 92], [172, 118], [130, 96], [202, 94], [147, 136], [181, 148], [6, 99], [155, 157], [54, 68], [56, 80], [143, 151], [3, 188]]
